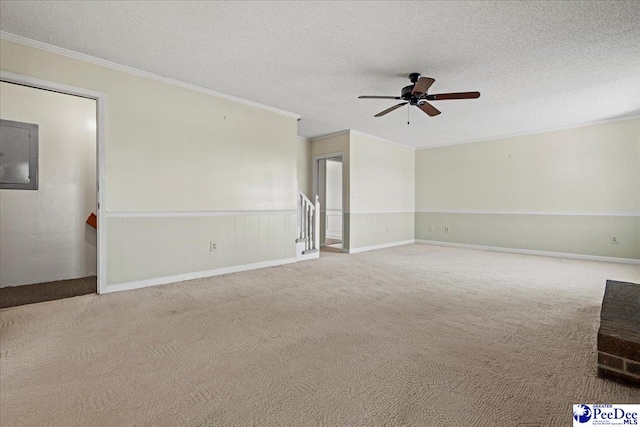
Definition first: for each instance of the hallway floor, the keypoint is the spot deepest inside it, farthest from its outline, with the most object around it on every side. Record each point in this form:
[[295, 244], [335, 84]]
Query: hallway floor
[[13, 296]]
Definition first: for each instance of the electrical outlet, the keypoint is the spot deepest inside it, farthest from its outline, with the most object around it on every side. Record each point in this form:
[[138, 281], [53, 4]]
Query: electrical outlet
[[614, 240], [447, 229], [431, 228], [212, 246]]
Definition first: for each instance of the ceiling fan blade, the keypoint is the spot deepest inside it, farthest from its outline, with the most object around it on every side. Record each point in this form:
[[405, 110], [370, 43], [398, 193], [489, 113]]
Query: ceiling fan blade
[[457, 95], [388, 110], [429, 109], [378, 97], [422, 85]]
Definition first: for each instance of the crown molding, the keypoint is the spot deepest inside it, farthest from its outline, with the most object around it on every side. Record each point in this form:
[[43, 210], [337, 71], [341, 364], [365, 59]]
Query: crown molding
[[366, 135], [534, 132], [330, 135], [388, 141], [140, 73]]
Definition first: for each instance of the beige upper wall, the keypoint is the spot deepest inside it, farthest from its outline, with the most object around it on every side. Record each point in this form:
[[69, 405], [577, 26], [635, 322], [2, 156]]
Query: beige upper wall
[[172, 149], [382, 176], [592, 168], [304, 166]]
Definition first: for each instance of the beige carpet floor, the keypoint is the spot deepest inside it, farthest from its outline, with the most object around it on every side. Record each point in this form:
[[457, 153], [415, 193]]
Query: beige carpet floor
[[414, 335]]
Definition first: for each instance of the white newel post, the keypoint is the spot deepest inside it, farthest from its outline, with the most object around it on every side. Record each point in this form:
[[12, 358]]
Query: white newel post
[[310, 224], [299, 219], [316, 224]]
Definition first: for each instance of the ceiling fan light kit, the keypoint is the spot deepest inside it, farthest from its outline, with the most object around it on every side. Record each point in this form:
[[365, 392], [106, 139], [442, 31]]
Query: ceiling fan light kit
[[416, 94]]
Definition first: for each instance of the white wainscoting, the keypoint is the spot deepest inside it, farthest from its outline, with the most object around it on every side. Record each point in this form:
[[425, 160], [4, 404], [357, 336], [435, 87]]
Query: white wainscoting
[[584, 233], [334, 223], [140, 247]]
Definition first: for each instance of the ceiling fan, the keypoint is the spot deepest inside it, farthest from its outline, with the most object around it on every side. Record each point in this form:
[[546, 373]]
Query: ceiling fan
[[416, 94]]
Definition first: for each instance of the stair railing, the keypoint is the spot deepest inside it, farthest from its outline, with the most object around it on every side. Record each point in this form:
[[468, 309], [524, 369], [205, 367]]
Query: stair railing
[[308, 222]]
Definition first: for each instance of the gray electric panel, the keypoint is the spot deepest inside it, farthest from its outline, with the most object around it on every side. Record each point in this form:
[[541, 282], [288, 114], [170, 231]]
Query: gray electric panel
[[18, 155]]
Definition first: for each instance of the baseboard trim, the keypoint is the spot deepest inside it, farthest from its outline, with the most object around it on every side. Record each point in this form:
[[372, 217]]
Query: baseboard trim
[[533, 252], [382, 246], [307, 257], [137, 284], [471, 211], [379, 212]]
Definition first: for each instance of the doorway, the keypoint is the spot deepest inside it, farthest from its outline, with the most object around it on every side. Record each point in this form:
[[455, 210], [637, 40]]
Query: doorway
[[328, 184], [49, 242], [333, 203]]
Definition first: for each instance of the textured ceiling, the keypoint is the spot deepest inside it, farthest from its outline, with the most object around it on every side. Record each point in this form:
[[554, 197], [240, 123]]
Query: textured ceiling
[[538, 65]]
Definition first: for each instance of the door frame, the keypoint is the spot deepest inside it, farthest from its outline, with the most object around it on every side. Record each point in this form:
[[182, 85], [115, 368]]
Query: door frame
[[101, 140], [315, 172]]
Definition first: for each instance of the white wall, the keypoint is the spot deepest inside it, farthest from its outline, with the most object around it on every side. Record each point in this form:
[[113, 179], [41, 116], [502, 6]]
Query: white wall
[[382, 192], [43, 235], [334, 185], [383, 176], [304, 166], [569, 191], [333, 196], [172, 152], [586, 169], [378, 189], [173, 149]]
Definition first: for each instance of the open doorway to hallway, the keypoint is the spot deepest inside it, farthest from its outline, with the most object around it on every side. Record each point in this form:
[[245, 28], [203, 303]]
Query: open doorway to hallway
[[48, 236], [329, 184], [333, 203]]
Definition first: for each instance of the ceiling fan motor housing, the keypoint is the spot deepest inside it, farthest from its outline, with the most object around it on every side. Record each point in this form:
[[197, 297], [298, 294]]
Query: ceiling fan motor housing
[[408, 96]]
